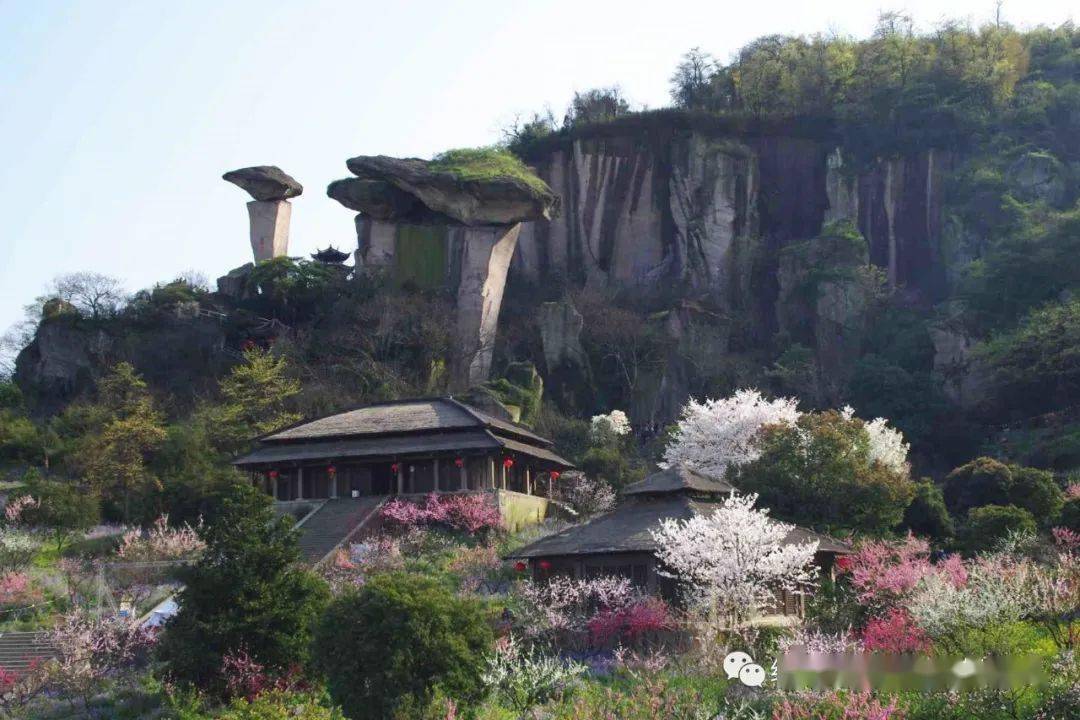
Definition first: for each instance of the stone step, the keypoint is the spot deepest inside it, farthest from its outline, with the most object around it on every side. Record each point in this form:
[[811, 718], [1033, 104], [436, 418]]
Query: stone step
[[328, 526]]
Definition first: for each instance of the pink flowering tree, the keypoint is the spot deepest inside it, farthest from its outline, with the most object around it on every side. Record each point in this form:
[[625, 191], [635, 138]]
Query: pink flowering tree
[[895, 633], [561, 609], [734, 560], [473, 514], [716, 434], [161, 542]]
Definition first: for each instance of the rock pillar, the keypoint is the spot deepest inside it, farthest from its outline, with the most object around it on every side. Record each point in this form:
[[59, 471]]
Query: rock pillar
[[485, 254], [269, 228]]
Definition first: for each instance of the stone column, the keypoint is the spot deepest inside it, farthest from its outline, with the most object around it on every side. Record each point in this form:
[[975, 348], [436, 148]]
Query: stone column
[[464, 477], [376, 243], [484, 255], [269, 220], [300, 483], [435, 475], [400, 479]]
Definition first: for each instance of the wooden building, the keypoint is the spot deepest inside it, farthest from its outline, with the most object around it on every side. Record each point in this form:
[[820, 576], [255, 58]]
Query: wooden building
[[620, 542], [402, 447]]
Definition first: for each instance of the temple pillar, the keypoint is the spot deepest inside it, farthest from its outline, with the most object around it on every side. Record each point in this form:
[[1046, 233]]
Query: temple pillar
[[435, 475], [300, 483], [400, 479], [464, 477]]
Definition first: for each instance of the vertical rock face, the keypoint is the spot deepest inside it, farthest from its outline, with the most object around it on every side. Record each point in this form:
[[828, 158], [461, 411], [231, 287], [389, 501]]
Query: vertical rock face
[[269, 220], [638, 214]]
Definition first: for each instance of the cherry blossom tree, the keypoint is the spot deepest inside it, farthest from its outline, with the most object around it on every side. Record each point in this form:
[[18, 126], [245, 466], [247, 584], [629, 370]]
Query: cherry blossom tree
[[887, 444], [607, 429], [717, 434], [735, 558]]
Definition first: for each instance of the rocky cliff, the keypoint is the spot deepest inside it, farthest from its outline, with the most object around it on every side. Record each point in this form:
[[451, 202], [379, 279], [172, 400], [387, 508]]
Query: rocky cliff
[[691, 208]]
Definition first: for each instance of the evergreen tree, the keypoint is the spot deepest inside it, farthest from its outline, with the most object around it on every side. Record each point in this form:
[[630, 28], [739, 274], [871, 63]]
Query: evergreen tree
[[246, 593], [255, 398]]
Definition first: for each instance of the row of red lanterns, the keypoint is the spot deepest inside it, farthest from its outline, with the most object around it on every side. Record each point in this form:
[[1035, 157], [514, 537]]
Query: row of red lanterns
[[522, 566]]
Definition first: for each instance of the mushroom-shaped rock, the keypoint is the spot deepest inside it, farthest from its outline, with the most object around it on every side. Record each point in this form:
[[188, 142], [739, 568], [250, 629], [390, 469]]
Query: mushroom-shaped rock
[[265, 182], [481, 187]]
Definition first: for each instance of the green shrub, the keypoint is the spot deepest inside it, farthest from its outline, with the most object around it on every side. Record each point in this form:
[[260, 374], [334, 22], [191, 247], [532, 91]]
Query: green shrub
[[1070, 514], [64, 508], [247, 593], [988, 525], [983, 481], [280, 705], [927, 514], [388, 647], [1037, 492]]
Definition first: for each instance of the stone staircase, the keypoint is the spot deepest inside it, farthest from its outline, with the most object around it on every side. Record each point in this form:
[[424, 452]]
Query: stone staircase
[[19, 649], [334, 523]]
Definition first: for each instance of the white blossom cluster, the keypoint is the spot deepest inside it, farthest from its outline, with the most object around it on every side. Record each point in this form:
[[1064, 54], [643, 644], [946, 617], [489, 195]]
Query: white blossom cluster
[[735, 557], [997, 591], [716, 434], [605, 428], [887, 445]]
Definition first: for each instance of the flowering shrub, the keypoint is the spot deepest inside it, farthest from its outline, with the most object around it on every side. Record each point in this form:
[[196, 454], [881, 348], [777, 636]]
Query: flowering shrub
[[564, 606], [837, 706], [160, 542], [469, 513], [15, 589], [882, 573], [349, 568], [631, 622], [524, 679], [247, 678], [17, 550], [588, 496], [14, 508], [474, 564], [605, 429], [895, 633], [716, 434], [1072, 491]]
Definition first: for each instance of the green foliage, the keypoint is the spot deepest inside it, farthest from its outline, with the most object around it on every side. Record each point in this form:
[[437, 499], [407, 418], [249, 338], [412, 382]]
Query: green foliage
[[289, 289], [254, 400], [819, 473], [387, 648], [1036, 366], [486, 164], [20, 438], [988, 525], [280, 705], [1070, 514], [63, 508], [927, 514], [246, 593], [985, 481]]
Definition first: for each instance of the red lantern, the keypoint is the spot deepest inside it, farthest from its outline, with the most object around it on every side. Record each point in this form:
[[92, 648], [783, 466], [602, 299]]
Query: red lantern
[[273, 474], [555, 474], [459, 462], [508, 463], [331, 470], [545, 565], [395, 467], [843, 563], [520, 566]]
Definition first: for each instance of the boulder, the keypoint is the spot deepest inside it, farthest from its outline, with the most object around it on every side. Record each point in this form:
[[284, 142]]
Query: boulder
[[439, 196], [265, 182], [234, 284], [1038, 176]]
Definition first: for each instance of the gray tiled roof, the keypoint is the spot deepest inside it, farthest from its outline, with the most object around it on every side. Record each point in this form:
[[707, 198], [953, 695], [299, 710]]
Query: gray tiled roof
[[678, 478], [370, 447], [404, 416], [628, 528]]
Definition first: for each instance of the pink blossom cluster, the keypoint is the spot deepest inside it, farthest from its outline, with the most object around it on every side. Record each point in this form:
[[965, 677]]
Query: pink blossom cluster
[[349, 568], [1066, 540], [161, 542], [469, 513], [14, 508], [15, 589], [248, 678], [8, 679], [1072, 491], [839, 705], [565, 607], [884, 572], [896, 633], [630, 623]]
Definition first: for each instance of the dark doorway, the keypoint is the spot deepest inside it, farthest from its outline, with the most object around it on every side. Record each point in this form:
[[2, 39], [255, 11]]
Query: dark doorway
[[383, 479]]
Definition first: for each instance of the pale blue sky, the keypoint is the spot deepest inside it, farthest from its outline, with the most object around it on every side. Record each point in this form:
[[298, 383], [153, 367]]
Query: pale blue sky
[[117, 118]]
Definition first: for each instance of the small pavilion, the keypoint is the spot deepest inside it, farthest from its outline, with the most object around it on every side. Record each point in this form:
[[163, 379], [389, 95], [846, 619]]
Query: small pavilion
[[399, 448], [620, 542]]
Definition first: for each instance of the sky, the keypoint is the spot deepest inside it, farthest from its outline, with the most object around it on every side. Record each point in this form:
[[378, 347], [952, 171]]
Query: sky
[[117, 118]]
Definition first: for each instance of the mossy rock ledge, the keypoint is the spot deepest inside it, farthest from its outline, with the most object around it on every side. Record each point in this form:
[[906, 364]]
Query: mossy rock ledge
[[468, 187]]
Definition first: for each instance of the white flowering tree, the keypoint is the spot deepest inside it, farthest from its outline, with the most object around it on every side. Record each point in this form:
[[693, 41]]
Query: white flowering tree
[[735, 558], [716, 434], [607, 429], [887, 444]]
